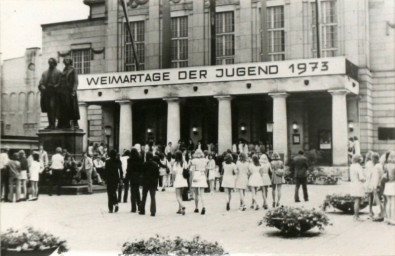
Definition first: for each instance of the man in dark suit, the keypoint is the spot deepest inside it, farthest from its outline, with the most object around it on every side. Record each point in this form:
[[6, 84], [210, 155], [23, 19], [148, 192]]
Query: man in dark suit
[[149, 181], [300, 166]]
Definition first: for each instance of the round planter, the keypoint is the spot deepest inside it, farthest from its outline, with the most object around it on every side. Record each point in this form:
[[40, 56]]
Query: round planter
[[13, 252], [304, 227], [348, 206]]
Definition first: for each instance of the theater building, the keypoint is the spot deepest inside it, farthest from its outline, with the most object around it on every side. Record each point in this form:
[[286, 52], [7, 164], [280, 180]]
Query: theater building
[[267, 83]]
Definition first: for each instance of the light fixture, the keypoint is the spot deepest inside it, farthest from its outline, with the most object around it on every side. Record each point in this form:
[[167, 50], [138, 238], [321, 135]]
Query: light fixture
[[243, 128], [107, 130], [351, 126], [269, 126], [149, 130], [194, 129], [295, 127]]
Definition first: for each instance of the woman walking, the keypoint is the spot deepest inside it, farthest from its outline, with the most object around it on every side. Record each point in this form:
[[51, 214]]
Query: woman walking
[[149, 181], [199, 181], [35, 170], [242, 178], [163, 171], [357, 179], [228, 180], [114, 174], [255, 181], [266, 171], [133, 173], [179, 182], [211, 171], [277, 178]]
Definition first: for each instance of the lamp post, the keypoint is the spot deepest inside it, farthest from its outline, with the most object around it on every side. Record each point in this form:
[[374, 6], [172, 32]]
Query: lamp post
[[107, 132]]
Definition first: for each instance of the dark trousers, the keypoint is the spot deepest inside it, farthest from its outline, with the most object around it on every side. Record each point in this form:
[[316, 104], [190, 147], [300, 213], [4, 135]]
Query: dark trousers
[[4, 184], [152, 191], [124, 187], [303, 182], [135, 198], [112, 196], [56, 179]]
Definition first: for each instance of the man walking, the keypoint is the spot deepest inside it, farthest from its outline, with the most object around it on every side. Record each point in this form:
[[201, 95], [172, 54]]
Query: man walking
[[301, 166], [150, 178], [57, 167]]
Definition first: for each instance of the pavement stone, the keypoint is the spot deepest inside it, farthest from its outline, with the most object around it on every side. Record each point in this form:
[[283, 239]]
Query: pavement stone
[[89, 229]]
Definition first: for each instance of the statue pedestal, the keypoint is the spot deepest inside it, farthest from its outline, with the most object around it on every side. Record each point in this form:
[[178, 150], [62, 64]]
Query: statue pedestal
[[70, 139]]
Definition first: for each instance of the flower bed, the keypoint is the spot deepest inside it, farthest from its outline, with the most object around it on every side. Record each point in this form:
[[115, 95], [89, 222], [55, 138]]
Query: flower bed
[[30, 242], [163, 246], [316, 177], [345, 203], [293, 221]]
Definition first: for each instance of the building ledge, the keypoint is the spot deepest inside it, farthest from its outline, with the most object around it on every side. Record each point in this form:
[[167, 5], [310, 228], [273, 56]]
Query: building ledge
[[73, 23]]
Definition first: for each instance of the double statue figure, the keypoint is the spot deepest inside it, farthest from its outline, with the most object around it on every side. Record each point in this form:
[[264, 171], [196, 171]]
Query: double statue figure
[[59, 95]]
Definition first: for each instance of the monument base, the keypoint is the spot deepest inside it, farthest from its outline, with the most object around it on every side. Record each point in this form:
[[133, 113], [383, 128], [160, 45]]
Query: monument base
[[70, 139]]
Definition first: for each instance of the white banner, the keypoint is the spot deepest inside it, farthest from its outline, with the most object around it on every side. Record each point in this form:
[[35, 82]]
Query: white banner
[[224, 73]]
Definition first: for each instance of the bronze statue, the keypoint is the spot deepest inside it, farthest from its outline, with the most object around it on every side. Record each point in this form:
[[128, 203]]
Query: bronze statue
[[69, 113], [48, 86]]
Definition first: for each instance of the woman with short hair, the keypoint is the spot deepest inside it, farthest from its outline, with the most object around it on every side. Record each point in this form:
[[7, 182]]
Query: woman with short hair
[[199, 181]]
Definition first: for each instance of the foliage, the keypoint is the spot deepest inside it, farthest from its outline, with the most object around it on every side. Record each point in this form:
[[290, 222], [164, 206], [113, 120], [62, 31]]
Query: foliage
[[31, 239], [294, 221], [343, 202], [315, 176], [163, 246]]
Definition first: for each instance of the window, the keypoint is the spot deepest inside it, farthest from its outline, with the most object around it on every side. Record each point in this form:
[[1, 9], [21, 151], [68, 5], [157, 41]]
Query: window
[[225, 41], [82, 60], [275, 25], [386, 133], [138, 38], [328, 28], [179, 42]]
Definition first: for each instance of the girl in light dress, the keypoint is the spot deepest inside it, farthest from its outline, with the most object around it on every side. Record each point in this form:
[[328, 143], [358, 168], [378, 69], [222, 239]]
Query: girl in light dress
[[242, 178], [228, 179], [277, 178], [179, 181], [374, 173], [35, 169], [357, 178], [211, 172], [368, 174], [199, 180], [255, 181], [266, 171]]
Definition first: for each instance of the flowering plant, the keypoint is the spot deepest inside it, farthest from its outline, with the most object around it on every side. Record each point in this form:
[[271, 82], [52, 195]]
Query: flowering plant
[[163, 246], [294, 221], [343, 202], [31, 239]]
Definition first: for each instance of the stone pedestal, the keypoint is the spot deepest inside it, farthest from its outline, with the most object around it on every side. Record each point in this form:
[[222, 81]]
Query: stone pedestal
[[65, 138]]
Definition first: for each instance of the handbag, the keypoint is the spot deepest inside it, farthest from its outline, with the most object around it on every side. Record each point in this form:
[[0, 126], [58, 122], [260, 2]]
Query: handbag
[[185, 173]]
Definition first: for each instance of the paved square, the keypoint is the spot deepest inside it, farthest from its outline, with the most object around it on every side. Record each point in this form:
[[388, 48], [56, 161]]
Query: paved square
[[87, 226]]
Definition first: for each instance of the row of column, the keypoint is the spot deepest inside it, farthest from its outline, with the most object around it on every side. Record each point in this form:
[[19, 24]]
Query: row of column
[[280, 133]]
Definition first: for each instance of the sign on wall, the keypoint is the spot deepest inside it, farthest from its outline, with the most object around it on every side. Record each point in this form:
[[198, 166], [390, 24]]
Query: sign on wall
[[207, 74]]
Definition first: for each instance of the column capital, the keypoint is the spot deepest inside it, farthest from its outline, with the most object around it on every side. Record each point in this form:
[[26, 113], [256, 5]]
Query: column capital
[[223, 97], [82, 104], [278, 95], [122, 102], [171, 99], [338, 92]]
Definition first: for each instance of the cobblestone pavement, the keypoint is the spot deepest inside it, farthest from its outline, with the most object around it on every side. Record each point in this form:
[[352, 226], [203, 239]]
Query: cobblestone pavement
[[88, 227]]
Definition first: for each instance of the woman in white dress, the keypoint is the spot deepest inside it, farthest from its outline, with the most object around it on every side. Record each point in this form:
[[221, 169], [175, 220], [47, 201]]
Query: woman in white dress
[[374, 174], [211, 171], [163, 171], [255, 181], [389, 190], [266, 170], [199, 181], [369, 166], [242, 178], [35, 169], [228, 179], [357, 178], [179, 181]]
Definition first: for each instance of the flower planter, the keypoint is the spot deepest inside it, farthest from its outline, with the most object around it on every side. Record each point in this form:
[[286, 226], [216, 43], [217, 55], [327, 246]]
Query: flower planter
[[304, 226], [14, 252], [344, 203]]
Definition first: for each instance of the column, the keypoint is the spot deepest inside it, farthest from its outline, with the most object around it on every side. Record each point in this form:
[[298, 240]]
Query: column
[[280, 134], [339, 127], [125, 125], [83, 123], [224, 123], [173, 120]]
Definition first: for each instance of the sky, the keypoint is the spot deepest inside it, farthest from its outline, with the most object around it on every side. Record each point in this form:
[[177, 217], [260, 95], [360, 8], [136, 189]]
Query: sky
[[20, 22]]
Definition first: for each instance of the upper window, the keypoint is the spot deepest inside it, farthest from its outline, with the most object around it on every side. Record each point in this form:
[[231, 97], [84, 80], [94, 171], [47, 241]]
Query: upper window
[[225, 41], [275, 25], [328, 28], [138, 31], [179, 42], [82, 60]]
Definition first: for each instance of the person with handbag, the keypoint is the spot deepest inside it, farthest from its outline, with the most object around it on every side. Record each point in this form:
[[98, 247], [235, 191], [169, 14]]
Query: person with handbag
[[180, 181], [277, 178]]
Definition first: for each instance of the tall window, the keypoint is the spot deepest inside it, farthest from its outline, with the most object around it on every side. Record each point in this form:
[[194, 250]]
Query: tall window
[[328, 28], [225, 41], [179, 42], [138, 37], [82, 61], [275, 25]]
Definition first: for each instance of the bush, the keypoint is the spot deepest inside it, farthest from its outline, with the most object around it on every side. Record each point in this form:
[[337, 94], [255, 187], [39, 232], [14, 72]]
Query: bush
[[345, 203], [163, 246], [294, 221]]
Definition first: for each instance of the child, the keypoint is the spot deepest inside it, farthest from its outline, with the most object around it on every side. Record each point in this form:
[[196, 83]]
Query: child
[[357, 178]]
